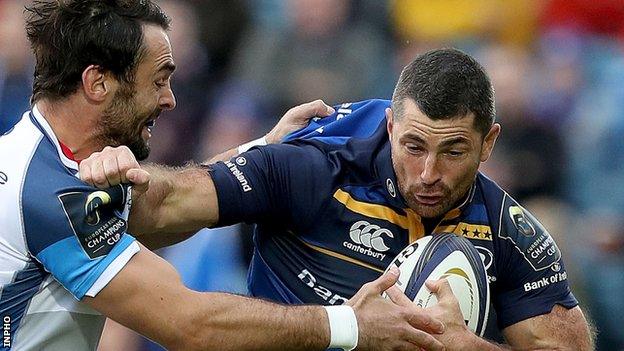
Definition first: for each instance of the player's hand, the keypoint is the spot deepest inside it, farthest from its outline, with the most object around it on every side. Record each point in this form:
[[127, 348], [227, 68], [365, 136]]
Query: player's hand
[[456, 336], [395, 323], [112, 166], [297, 118]]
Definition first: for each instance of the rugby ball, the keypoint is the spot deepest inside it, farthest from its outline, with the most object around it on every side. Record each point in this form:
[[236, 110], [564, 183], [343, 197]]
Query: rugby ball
[[454, 258]]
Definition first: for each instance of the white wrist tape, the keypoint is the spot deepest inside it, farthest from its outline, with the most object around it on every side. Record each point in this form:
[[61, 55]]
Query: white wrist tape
[[258, 142], [343, 327]]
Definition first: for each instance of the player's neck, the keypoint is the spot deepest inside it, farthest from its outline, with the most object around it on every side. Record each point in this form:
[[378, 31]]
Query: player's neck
[[75, 127]]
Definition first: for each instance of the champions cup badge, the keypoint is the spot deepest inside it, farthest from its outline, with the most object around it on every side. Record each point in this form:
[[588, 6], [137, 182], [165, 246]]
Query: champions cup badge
[[523, 225], [94, 201]]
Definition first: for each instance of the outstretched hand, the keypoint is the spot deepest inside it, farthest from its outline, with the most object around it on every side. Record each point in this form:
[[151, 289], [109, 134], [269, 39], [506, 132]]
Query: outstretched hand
[[297, 118]]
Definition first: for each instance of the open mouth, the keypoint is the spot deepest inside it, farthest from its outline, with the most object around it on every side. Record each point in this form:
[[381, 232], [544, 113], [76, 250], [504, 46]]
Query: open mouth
[[150, 124]]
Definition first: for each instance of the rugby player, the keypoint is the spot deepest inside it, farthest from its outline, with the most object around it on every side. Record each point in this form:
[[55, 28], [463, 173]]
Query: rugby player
[[339, 199], [66, 259]]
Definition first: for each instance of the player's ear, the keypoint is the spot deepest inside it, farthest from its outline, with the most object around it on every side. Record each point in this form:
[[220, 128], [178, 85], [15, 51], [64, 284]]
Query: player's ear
[[96, 83], [489, 141], [389, 121]]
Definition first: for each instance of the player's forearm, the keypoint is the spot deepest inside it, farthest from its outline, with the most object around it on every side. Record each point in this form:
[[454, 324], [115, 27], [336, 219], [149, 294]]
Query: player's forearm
[[148, 296], [484, 345], [179, 200], [229, 322]]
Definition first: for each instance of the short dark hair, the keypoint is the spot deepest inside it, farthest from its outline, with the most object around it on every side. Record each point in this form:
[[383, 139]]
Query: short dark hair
[[447, 83], [67, 36]]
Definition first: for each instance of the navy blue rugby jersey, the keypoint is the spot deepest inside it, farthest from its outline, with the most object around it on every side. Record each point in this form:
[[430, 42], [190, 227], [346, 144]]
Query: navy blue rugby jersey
[[330, 218]]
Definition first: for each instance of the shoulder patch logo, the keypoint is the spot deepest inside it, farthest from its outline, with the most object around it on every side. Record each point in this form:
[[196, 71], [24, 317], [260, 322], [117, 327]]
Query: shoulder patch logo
[[530, 238], [94, 201], [96, 218], [523, 225]]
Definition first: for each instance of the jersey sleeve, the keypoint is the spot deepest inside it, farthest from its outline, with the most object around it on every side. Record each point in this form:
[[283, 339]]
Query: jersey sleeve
[[532, 278], [274, 184], [78, 233]]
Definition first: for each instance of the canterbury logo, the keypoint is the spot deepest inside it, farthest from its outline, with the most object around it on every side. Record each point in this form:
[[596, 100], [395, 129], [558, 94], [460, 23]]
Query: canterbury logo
[[369, 235]]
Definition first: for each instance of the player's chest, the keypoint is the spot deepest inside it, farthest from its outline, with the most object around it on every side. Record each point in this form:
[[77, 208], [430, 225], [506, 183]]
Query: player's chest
[[372, 232]]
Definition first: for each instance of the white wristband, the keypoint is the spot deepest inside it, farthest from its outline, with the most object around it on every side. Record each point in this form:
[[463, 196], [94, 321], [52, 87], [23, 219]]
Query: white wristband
[[343, 327], [258, 142]]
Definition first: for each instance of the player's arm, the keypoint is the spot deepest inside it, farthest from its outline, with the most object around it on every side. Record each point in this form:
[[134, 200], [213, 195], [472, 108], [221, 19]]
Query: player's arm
[[534, 305], [168, 204], [148, 297], [296, 118], [560, 329], [171, 204], [78, 235]]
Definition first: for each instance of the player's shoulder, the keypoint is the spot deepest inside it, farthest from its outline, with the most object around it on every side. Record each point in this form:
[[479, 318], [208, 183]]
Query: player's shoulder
[[17, 147], [351, 120], [516, 225], [53, 198], [34, 162], [45, 177]]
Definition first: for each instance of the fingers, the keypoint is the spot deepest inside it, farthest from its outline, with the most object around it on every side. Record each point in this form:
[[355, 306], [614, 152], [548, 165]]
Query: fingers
[[85, 172], [98, 175], [421, 319], [140, 179], [126, 161], [383, 283], [317, 108], [398, 297], [424, 340], [441, 288], [418, 318], [109, 167]]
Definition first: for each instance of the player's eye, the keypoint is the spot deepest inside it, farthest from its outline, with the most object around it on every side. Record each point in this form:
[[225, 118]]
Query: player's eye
[[455, 153], [161, 82], [413, 148]]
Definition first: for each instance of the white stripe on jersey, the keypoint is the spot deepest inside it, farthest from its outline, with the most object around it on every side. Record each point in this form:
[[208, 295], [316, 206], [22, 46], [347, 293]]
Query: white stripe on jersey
[[53, 318]]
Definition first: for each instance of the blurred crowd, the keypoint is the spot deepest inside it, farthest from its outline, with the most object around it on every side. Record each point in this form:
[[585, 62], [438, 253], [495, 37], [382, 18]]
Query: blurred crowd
[[557, 67]]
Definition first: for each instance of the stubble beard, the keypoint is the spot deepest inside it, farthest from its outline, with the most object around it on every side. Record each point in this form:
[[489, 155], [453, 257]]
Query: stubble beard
[[121, 123], [450, 198]]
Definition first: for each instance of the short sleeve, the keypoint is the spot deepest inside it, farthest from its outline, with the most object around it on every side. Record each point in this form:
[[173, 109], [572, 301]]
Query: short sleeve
[[78, 233], [271, 184], [532, 275]]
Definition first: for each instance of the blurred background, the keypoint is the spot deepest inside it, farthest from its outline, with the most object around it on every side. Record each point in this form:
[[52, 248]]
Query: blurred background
[[557, 67]]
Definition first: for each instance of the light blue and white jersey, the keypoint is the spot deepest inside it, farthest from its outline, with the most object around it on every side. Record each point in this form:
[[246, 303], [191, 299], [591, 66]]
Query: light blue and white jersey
[[60, 240]]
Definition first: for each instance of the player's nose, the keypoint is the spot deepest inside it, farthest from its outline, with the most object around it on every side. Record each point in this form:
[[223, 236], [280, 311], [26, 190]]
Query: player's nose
[[167, 100], [430, 174]]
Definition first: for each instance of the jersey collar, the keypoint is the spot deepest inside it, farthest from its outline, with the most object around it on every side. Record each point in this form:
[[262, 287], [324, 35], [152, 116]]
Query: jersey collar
[[65, 154]]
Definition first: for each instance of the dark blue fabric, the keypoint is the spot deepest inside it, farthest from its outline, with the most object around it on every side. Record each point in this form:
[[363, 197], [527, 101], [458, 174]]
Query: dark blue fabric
[[321, 198]]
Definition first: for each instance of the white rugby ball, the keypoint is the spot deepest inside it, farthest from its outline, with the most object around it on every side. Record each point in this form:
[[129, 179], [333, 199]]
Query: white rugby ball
[[454, 258]]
